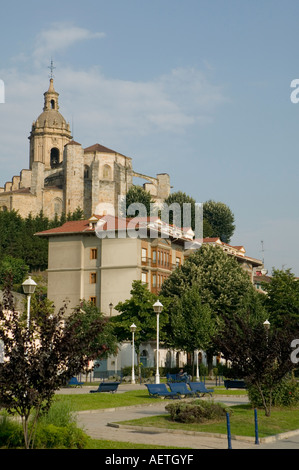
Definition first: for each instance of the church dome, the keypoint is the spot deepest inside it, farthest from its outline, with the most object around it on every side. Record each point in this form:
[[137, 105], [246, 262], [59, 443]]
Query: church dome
[[51, 117]]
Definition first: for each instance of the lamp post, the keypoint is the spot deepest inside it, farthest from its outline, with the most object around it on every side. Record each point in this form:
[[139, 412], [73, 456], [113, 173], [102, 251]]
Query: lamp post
[[197, 367], [29, 287], [267, 328], [133, 329], [157, 309], [111, 307], [266, 324]]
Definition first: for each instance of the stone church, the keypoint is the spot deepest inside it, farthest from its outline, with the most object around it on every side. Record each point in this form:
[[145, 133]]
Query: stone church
[[63, 176]]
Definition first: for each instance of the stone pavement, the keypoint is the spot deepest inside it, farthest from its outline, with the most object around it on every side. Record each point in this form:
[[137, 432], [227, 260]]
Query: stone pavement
[[98, 424]]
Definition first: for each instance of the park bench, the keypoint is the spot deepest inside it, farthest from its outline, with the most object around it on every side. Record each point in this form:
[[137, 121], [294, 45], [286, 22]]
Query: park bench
[[234, 384], [73, 382], [200, 389], [160, 390], [180, 388], [106, 387]]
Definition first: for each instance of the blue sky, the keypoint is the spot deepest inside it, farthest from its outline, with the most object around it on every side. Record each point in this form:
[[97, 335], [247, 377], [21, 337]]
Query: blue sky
[[197, 89]]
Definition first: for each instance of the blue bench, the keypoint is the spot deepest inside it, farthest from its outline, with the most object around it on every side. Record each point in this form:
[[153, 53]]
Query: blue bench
[[106, 387], [199, 388], [160, 390], [234, 384], [73, 382], [181, 388]]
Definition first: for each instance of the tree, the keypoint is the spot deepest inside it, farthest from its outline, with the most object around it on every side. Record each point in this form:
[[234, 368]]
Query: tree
[[137, 195], [220, 218], [282, 299], [41, 359], [191, 325], [139, 310], [14, 267], [181, 198], [220, 281], [262, 357]]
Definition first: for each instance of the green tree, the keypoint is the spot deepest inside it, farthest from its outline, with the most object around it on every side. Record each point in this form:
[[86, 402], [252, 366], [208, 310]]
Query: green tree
[[191, 324], [138, 309], [220, 281], [39, 360], [282, 299], [134, 197], [220, 218], [14, 267], [182, 199], [261, 357], [11, 230]]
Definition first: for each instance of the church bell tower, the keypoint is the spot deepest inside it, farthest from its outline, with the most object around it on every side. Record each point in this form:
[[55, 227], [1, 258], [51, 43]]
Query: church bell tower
[[50, 132]]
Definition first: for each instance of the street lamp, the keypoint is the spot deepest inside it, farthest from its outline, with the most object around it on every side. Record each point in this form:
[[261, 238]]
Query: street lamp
[[29, 287], [266, 324], [111, 307], [133, 329], [157, 309]]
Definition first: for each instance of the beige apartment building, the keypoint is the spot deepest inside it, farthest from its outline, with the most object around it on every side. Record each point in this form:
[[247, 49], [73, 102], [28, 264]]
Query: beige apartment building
[[99, 258]]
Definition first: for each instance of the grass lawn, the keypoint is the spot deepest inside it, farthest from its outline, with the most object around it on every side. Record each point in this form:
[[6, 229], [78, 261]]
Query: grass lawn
[[101, 444], [97, 401], [241, 422]]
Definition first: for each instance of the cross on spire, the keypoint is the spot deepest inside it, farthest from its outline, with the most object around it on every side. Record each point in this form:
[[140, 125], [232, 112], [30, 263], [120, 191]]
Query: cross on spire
[[51, 67]]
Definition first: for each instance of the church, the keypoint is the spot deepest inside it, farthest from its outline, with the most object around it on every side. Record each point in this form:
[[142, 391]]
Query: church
[[63, 176]]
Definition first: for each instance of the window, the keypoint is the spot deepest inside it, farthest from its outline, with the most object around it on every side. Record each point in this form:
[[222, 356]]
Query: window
[[57, 206], [54, 157], [107, 173], [154, 254], [86, 172], [93, 278], [93, 253], [144, 278], [52, 104], [143, 255], [154, 280], [93, 300]]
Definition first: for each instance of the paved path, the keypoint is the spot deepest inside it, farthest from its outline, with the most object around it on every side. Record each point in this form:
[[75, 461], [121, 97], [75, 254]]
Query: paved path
[[96, 424]]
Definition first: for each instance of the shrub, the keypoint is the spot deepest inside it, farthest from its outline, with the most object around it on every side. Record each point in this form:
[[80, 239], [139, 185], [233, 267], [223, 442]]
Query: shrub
[[49, 436], [286, 393], [11, 432], [196, 411]]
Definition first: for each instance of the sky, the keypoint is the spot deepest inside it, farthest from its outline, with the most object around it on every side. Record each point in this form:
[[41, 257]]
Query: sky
[[199, 89]]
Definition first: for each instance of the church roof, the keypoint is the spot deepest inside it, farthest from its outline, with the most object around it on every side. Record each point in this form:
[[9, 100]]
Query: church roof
[[99, 148]]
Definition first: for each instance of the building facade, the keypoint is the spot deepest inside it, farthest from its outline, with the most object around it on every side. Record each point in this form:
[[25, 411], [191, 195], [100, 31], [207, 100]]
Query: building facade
[[62, 176], [98, 259]]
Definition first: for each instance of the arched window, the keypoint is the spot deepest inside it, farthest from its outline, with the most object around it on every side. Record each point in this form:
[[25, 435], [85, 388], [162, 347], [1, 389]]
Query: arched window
[[144, 358], [52, 104], [54, 157], [177, 359], [57, 206], [168, 359], [86, 172], [107, 172], [3, 208]]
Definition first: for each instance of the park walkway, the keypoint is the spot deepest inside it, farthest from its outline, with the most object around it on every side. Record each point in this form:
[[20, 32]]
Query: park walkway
[[98, 424]]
